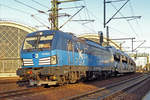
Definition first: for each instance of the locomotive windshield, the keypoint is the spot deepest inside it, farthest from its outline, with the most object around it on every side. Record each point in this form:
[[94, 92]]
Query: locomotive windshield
[[38, 42]]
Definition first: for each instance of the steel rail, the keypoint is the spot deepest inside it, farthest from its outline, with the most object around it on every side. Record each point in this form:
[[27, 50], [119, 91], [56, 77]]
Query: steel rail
[[104, 92], [122, 94], [20, 92]]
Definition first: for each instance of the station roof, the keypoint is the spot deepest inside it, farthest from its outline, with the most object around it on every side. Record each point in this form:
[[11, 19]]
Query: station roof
[[17, 25], [95, 37]]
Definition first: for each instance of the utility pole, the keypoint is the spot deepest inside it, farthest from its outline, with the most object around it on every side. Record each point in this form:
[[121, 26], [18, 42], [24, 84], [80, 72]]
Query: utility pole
[[113, 16], [140, 45], [107, 29], [126, 39], [101, 38], [53, 16], [142, 55], [104, 13], [132, 44]]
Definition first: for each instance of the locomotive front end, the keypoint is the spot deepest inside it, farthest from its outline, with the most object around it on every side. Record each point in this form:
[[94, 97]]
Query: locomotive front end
[[37, 54]]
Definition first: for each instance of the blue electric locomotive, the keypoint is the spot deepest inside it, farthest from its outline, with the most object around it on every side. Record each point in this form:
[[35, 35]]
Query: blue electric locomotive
[[54, 57]]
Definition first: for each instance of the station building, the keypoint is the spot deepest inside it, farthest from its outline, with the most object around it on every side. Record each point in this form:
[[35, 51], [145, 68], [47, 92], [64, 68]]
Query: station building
[[12, 35]]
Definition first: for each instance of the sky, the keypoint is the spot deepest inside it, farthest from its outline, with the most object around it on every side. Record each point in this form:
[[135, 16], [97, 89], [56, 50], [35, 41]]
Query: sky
[[118, 28]]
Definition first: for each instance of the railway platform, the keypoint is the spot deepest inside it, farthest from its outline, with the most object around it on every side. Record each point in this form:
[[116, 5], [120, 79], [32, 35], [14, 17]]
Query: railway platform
[[8, 75]]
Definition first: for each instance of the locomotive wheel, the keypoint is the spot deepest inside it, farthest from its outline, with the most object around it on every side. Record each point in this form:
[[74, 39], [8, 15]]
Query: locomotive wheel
[[62, 80], [105, 75], [73, 77]]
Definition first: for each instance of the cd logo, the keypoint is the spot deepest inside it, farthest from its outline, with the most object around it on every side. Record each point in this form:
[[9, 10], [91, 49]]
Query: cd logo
[[35, 55]]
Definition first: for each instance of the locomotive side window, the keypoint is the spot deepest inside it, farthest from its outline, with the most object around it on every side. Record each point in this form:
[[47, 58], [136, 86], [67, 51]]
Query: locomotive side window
[[117, 57], [70, 46]]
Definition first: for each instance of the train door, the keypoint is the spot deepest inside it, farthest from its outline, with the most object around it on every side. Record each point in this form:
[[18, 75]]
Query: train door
[[70, 52]]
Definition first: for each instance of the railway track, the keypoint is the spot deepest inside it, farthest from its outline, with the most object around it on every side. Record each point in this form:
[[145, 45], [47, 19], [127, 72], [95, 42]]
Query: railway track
[[7, 82], [20, 92], [111, 91], [27, 92]]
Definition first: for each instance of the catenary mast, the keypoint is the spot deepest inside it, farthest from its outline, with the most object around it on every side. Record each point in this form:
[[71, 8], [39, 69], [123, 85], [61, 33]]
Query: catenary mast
[[53, 16]]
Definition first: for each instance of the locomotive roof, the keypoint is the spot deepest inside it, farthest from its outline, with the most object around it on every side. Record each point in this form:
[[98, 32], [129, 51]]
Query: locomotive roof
[[43, 32], [68, 35], [47, 32], [90, 42], [118, 51], [52, 32]]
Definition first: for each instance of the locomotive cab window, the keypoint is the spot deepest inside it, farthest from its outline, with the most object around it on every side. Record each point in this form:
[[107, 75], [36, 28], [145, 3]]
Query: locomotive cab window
[[30, 43], [38, 42], [45, 41]]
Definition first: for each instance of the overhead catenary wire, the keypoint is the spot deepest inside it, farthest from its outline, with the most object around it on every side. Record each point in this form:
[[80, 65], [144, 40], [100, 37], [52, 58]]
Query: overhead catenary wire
[[41, 22], [25, 5], [125, 19], [117, 30], [90, 14], [71, 17], [78, 9], [132, 12], [95, 17], [40, 4], [40, 11], [112, 28], [87, 19], [89, 28], [37, 19], [87, 12], [86, 9], [24, 12], [16, 9], [68, 8], [81, 18], [82, 21]]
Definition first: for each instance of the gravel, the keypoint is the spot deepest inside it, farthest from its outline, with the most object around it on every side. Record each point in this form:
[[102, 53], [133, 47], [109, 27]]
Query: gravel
[[59, 93]]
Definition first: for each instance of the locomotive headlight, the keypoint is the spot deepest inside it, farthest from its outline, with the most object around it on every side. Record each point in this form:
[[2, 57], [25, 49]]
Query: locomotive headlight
[[53, 60]]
